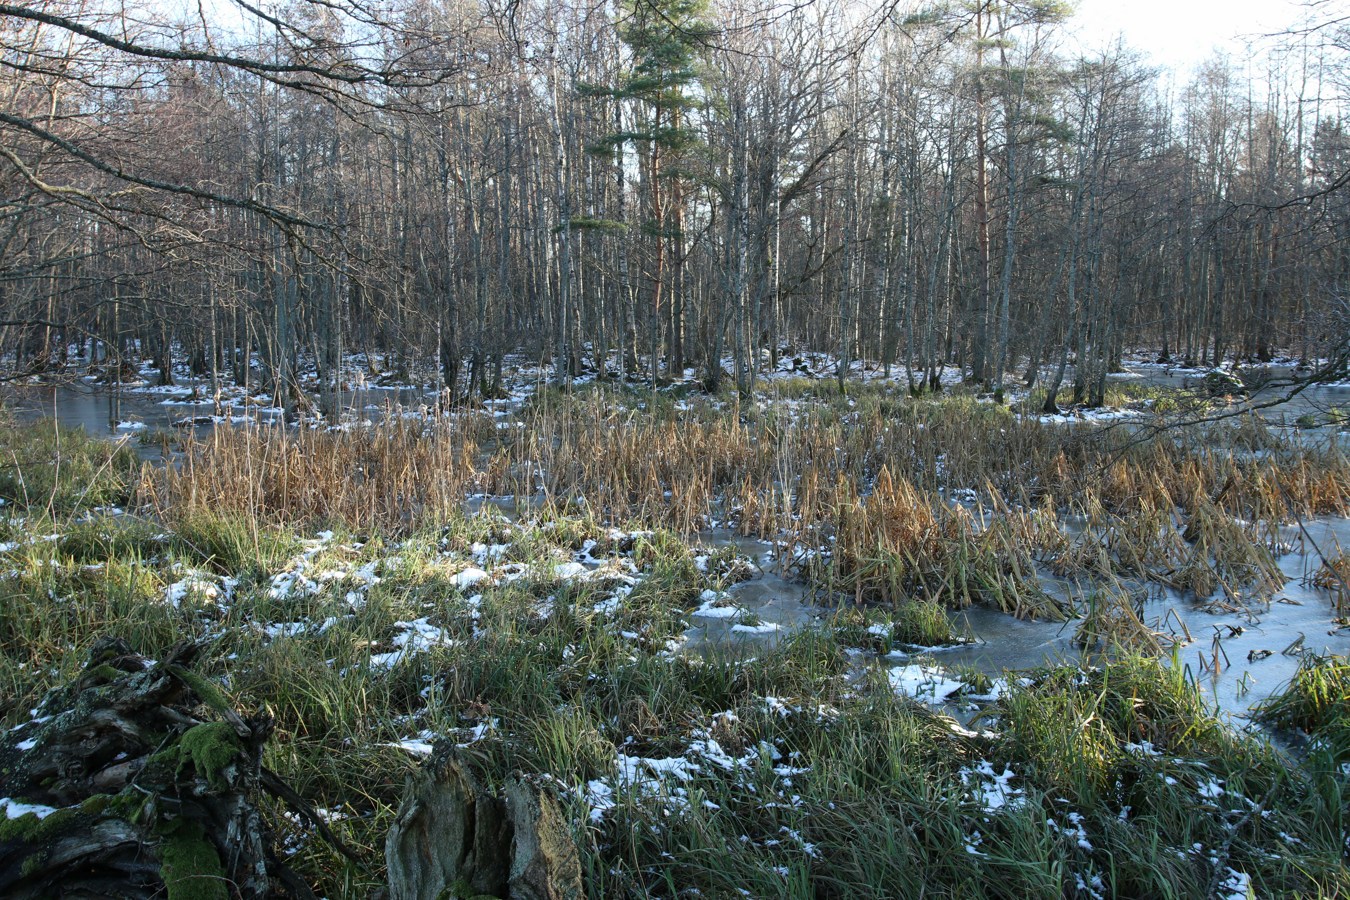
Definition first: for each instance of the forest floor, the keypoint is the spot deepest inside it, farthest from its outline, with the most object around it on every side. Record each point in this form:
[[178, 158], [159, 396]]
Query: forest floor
[[812, 645]]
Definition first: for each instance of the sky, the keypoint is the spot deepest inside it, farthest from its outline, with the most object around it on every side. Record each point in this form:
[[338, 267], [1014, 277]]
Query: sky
[[1172, 34], [1181, 34]]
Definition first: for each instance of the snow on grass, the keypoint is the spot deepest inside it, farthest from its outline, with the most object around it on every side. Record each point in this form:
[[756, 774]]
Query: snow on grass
[[469, 577], [1072, 829], [756, 627], [570, 570], [717, 605], [417, 636], [192, 587], [992, 790], [485, 554], [1086, 416], [294, 629], [666, 779], [299, 579], [1093, 887], [923, 683], [424, 742], [611, 605], [599, 797], [1210, 790], [420, 744], [998, 689], [1236, 886]]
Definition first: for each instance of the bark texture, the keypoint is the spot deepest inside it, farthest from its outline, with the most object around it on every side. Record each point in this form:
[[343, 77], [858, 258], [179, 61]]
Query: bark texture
[[454, 837]]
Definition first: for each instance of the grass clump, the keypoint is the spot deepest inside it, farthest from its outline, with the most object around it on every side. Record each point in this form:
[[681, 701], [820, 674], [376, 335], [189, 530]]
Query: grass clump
[[63, 471], [1333, 576], [1315, 702], [1112, 621], [897, 545], [231, 543], [910, 624]]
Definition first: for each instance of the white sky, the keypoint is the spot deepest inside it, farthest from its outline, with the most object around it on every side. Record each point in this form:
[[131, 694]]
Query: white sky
[[1180, 34], [1171, 34]]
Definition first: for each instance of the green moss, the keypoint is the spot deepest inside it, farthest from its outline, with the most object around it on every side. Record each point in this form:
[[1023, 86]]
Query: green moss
[[32, 829], [101, 674], [21, 828], [32, 863], [211, 748], [191, 866], [462, 890], [96, 805], [206, 690], [39, 833]]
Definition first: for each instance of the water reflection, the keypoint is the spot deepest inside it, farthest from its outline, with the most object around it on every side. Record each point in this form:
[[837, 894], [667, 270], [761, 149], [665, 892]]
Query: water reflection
[[109, 411]]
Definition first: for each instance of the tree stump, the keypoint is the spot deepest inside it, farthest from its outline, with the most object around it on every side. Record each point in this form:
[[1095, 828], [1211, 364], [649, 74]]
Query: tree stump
[[544, 860], [455, 838], [117, 788]]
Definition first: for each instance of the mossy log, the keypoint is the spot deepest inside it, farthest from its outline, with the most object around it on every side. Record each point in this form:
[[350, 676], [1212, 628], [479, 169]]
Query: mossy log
[[138, 780], [454, 837]]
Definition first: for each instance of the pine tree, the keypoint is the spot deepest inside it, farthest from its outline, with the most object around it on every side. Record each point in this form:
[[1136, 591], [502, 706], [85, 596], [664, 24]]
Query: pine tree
[[666, 39]]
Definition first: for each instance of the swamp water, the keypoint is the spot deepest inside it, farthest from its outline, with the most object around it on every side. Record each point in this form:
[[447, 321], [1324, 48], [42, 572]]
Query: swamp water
[[105, 411], [1237, 654]]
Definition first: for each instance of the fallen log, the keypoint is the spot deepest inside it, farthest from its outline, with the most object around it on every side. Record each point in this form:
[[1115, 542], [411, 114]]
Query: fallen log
[[138, 780]]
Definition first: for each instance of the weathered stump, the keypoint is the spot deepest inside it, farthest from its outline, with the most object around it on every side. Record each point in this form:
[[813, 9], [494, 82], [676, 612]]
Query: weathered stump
[[544, 860], [121, 786], [454, 838]]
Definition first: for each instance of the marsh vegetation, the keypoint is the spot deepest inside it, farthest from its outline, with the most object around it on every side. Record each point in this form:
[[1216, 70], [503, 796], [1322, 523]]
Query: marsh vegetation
[[530, 585]]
